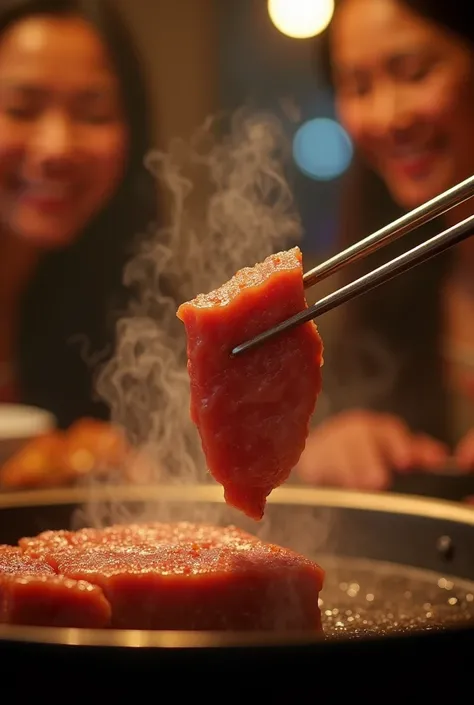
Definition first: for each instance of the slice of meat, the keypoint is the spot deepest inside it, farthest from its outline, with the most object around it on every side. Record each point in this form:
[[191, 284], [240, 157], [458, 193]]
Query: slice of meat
[[34, 545], [245, 586], [31, 593], [14, 562], [253, 411], [153, 533], [162, 576], [50, 545], [53, 601]]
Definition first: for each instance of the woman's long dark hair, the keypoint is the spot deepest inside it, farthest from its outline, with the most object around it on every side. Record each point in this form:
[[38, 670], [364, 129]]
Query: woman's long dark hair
[[70, 307], [406, 314]]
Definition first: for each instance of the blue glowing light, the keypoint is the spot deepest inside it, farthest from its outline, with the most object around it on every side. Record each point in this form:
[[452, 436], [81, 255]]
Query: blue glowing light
[[322, 149]]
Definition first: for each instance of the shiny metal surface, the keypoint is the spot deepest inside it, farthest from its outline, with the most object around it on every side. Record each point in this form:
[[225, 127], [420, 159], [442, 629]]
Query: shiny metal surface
[[419, 216], [288, 495], [417, 255]]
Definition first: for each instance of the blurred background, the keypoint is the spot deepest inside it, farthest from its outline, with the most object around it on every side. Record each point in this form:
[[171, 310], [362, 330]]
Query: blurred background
[[208, 56], [69, 211]]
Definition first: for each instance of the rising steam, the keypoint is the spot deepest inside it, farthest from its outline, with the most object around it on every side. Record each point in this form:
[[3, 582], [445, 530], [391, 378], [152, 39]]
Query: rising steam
[[249, 213]]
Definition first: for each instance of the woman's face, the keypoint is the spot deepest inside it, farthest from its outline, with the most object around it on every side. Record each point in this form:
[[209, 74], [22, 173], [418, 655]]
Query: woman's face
[[63, 139], [405, 93]]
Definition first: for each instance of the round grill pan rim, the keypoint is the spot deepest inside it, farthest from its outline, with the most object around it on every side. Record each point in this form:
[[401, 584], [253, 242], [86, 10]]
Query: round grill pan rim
[[337, 499]]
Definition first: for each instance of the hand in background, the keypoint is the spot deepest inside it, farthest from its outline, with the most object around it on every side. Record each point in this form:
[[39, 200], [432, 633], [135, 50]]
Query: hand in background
[[464, 453], [361, 450]]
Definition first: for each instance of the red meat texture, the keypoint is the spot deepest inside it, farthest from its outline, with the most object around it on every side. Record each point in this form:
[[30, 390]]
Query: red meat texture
[[178, 576], [253, 410]]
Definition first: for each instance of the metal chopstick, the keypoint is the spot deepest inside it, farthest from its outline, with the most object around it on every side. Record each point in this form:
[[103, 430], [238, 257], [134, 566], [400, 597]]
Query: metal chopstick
[[419, 216], [399, 265]]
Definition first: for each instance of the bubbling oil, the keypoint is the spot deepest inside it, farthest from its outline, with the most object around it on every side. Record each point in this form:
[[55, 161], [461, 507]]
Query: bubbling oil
[[363, 598]]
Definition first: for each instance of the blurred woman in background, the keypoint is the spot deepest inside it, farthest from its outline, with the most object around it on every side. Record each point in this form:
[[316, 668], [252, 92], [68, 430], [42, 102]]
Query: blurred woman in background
[[74, 194], [403, 75]]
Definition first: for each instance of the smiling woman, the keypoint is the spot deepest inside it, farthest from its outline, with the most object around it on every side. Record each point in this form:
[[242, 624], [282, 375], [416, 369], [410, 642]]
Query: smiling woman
[[74, 193], [403, 75], [63, 137], [405, 92]]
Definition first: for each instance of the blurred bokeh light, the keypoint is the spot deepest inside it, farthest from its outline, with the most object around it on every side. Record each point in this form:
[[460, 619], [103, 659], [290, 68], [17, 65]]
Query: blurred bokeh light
[[301, 19], [322, 149]]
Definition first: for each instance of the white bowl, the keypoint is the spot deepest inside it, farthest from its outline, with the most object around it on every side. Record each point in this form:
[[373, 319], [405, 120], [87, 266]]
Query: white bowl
[[20, 424]]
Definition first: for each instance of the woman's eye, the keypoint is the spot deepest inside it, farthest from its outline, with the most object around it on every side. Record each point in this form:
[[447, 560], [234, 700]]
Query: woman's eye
[[20, 112], [416, 74], [96, 107], [407, 69], [354, 86]]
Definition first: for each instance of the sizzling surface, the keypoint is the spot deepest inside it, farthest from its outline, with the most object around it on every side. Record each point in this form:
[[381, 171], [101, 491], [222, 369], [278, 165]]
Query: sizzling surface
[[366, 598], [177, 576], [13, 561]]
